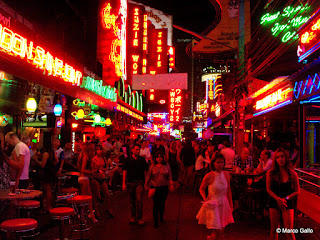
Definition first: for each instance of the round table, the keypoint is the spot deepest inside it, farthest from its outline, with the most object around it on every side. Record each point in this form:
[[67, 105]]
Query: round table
[[5, 195], [73, 174]]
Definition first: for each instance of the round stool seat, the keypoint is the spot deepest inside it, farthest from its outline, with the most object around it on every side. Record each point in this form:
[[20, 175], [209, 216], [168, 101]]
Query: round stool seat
[[69, 190], [61, 211], [80, 199], [19, 224], [253, 190], [29, 204]]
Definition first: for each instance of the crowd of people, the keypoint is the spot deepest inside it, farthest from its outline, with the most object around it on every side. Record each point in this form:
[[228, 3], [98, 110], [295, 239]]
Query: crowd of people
[[155, 168]]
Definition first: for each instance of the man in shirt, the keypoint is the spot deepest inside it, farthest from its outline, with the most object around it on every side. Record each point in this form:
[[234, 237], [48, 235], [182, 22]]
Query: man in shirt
[[145, 152], [21, 154], [188, 158], [244, 160], [228, 154], [263, 167], [134, 170], [158, 147]]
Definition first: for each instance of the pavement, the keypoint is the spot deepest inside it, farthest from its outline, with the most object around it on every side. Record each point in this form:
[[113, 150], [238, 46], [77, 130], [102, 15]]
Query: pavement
[[180, 223]]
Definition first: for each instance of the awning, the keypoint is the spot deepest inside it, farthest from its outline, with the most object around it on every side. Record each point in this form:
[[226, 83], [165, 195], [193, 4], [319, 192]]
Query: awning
[[214, 121]]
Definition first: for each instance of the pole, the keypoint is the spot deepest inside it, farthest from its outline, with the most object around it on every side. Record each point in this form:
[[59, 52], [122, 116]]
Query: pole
[[192, 78]]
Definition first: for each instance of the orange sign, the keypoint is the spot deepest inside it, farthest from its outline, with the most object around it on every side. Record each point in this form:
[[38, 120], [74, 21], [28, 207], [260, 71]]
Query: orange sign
[[16, 45]]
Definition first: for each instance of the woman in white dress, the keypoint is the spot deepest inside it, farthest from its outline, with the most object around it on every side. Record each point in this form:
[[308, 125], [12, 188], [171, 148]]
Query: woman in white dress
[[217, 207]]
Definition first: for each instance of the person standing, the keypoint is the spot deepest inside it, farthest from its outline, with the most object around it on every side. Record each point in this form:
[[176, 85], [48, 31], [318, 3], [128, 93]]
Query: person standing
[[188, 158], [21, 155], [145, 152], [159, 176], [158, 147], [228, 154], [134, 171], [283, 188], [216, 210], [59, 154]]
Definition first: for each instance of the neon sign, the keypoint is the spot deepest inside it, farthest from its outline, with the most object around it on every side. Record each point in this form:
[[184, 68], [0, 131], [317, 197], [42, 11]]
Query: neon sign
[[306, 87], [287, 21], [175, 96], [16, 45], [129, 112], [97, 87], [274, 99], [153, 116], [171, 53], [309, 40], [159, 48], [213, 85], [145, 43], [117, 23]]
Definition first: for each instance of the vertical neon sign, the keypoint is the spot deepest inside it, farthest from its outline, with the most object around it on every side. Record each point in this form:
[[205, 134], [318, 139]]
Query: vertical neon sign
[[145, 43], [175, 97]]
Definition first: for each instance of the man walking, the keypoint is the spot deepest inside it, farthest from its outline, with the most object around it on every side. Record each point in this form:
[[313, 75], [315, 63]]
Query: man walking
[[134, 170], [21, 154]]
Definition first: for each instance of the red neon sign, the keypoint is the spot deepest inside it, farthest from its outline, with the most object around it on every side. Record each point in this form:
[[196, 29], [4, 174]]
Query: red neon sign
[[309, 40], [16, 45], [175, 100]]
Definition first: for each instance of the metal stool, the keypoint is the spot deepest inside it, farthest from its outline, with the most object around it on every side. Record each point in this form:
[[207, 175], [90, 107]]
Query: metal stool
[[252, 198], [79, 203], [61, 214], [19, 225], [28, 205]]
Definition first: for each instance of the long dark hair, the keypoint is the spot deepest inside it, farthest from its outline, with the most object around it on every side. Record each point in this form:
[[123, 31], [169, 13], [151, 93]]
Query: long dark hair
[[218, 156], [161, 154], [275, 170]]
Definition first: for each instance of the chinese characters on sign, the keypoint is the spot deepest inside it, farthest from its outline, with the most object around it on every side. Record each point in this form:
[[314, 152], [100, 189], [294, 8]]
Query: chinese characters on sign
[[175, 100]]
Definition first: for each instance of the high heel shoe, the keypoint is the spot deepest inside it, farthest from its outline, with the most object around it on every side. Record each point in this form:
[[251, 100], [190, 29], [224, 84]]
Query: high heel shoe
[[93, 218]]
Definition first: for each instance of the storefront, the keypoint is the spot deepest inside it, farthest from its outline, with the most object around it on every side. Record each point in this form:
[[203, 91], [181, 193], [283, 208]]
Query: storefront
[[271, 116], [307, 91], [31, 70]]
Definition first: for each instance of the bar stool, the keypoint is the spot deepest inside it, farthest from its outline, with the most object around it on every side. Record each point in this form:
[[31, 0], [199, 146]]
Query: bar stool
[[80, 202], [19, 225], [28, 205], [253, 198], [66, 194], [61, 214]]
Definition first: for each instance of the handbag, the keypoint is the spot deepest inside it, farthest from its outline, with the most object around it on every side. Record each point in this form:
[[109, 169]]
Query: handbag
[[152, 190]]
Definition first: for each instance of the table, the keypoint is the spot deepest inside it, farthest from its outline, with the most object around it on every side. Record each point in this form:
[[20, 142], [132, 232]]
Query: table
[[4, 195], [73, 174]]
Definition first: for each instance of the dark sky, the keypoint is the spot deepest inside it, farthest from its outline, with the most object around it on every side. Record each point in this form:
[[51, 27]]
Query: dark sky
[[194, 15]]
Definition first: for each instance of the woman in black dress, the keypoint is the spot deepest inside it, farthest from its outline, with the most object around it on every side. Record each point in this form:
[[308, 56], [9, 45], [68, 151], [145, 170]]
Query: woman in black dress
[[283, 188]]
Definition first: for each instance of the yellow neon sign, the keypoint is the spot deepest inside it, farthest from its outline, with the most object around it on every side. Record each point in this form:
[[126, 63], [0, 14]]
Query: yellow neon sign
[[16, 45], [129, 112], [273, 99]]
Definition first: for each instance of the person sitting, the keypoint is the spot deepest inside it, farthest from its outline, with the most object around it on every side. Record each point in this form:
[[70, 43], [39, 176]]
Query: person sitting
[[264, 165], [244, 160]]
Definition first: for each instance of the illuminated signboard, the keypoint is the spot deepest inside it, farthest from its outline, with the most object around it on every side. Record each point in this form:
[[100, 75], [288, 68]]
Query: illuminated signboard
[[309, 40], [175, 97], [155, 116], [135, 39], [158, 51], [145, 43], [172, 57], [111, 45], [284, 23], [97, 87], [129, 112], [19, 46], [213, 85], [275, 100]]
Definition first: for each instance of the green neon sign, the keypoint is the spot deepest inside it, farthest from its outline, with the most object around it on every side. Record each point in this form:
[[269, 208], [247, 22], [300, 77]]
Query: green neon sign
[[97, 87], [286, 22]]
